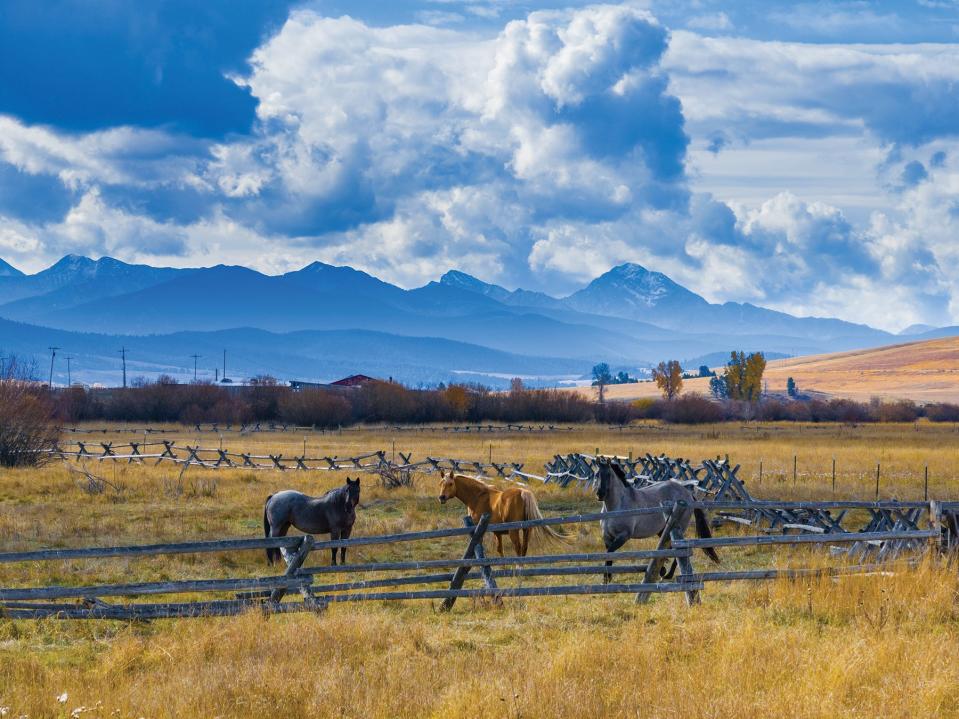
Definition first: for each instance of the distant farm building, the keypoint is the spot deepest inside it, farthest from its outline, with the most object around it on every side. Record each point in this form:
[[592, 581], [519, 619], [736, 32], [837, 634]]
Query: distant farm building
[[354, 380]]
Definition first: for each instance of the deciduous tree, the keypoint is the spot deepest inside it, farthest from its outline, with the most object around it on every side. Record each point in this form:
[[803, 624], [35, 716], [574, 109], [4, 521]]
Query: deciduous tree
[[669, 378]]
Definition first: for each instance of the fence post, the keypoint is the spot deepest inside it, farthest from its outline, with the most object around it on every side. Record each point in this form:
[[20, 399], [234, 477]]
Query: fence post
[[877, 480], [935, 523], [459, 576], [485, 570], [293, 567], [925, 489], [833, 475], [685, 563], [652, 569]]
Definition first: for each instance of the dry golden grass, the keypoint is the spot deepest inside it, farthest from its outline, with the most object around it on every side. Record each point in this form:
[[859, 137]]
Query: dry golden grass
[[926, 371], [855, 646]]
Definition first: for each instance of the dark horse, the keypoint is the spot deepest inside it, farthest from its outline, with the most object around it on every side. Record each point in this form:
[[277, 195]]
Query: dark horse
[[334, 513], [615, 492]]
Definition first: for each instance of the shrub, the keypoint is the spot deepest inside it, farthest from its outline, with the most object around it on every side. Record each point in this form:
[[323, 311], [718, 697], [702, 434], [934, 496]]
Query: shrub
[[315, 407], [692, 409], [647, 408], [901, 411], [26, 424], [942, 412]]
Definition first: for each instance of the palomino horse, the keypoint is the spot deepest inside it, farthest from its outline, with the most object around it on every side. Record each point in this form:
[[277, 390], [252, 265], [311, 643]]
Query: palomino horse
[[615, 492], [334, 513], [513, 504]]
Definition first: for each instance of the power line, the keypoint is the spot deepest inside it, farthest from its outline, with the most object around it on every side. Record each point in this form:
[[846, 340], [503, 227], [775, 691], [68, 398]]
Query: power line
[[123, 353]]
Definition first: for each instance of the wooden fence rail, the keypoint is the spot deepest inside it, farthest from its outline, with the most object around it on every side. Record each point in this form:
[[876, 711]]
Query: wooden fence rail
[[266, 593]]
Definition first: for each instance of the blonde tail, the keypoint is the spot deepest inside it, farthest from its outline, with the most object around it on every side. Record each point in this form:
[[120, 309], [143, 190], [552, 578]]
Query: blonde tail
[[532, 512]]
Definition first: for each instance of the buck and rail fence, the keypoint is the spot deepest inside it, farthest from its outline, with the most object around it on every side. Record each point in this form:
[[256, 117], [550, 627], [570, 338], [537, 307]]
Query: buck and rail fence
[[253, 427], [714, 480], [393, 582]]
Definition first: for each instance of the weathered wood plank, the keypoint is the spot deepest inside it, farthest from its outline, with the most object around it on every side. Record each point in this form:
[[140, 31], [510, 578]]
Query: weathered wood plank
[[222, 545], [133, 612], [552, 591], [828, 538], [144, 588], [494, 561]]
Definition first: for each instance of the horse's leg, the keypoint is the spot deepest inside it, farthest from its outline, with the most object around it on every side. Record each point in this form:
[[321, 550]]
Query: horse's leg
[[280, 530], [612, 544], [345, 534], [517, 546], [499, 543], [334, 536], [526, 534]]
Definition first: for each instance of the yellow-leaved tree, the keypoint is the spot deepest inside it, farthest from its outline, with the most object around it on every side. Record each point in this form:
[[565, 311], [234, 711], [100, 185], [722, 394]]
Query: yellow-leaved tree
[[743, 376], [669, 378]]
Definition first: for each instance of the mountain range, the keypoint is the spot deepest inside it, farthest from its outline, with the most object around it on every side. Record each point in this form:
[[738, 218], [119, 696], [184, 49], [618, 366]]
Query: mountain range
[[324, 321]]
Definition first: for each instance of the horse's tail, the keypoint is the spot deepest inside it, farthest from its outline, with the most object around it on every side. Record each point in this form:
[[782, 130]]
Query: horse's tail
[[702, 531], [532, 511], [272, 554]]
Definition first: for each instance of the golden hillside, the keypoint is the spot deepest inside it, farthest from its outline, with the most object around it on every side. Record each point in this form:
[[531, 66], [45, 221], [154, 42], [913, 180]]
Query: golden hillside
[[926, 371]]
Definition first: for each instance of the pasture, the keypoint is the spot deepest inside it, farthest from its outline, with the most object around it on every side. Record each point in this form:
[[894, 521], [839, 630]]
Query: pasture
[[854, 646], [925, 371]]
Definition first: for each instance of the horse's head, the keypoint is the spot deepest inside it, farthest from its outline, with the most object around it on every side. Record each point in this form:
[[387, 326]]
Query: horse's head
[[447, 487], [602, 489], [352, 492]]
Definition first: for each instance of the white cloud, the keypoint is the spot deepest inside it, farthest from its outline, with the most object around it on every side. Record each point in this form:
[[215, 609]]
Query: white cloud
[[543, 155], [715, 22]]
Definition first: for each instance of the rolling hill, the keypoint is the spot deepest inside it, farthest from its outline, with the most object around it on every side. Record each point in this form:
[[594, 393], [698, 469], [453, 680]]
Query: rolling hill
[[924, 371], [313, 355]]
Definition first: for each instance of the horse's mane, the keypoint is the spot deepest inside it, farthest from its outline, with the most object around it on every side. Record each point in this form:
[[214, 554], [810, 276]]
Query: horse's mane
[[621, 476], [335, 492], [472, 481]]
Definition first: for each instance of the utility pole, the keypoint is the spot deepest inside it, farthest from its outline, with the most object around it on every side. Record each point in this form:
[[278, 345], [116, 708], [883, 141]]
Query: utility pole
[[53, 354], [69, 378], [224, 365], [195, 358], [123, 353], [3, 367]]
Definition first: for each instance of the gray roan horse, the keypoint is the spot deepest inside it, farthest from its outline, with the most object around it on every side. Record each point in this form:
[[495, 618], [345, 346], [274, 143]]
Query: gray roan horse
[[616, 493], [334, 513]]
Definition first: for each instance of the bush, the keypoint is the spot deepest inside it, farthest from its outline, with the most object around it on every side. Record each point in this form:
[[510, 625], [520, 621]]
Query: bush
[[942, 412], [647, 408], [315, 407], [692, 409], [901, 411], [26, 424]]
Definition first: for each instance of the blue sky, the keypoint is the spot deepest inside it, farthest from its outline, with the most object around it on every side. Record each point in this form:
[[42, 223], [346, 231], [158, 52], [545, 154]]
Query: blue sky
[[802, 156]]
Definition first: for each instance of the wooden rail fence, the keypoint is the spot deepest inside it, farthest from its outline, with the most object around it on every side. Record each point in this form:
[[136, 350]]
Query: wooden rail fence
[[267, 593], [251, 427]]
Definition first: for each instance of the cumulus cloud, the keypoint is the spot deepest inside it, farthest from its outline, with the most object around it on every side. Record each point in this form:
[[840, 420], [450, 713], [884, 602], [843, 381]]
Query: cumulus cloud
[[901, 94], [538, 156]]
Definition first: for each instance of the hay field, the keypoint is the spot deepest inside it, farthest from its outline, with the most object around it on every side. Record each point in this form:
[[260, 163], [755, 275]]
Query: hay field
[[858, 646], [926, 371]]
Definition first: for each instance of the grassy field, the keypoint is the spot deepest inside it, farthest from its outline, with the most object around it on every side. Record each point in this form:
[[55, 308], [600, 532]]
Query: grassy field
[[857, 646], [926, 371]]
